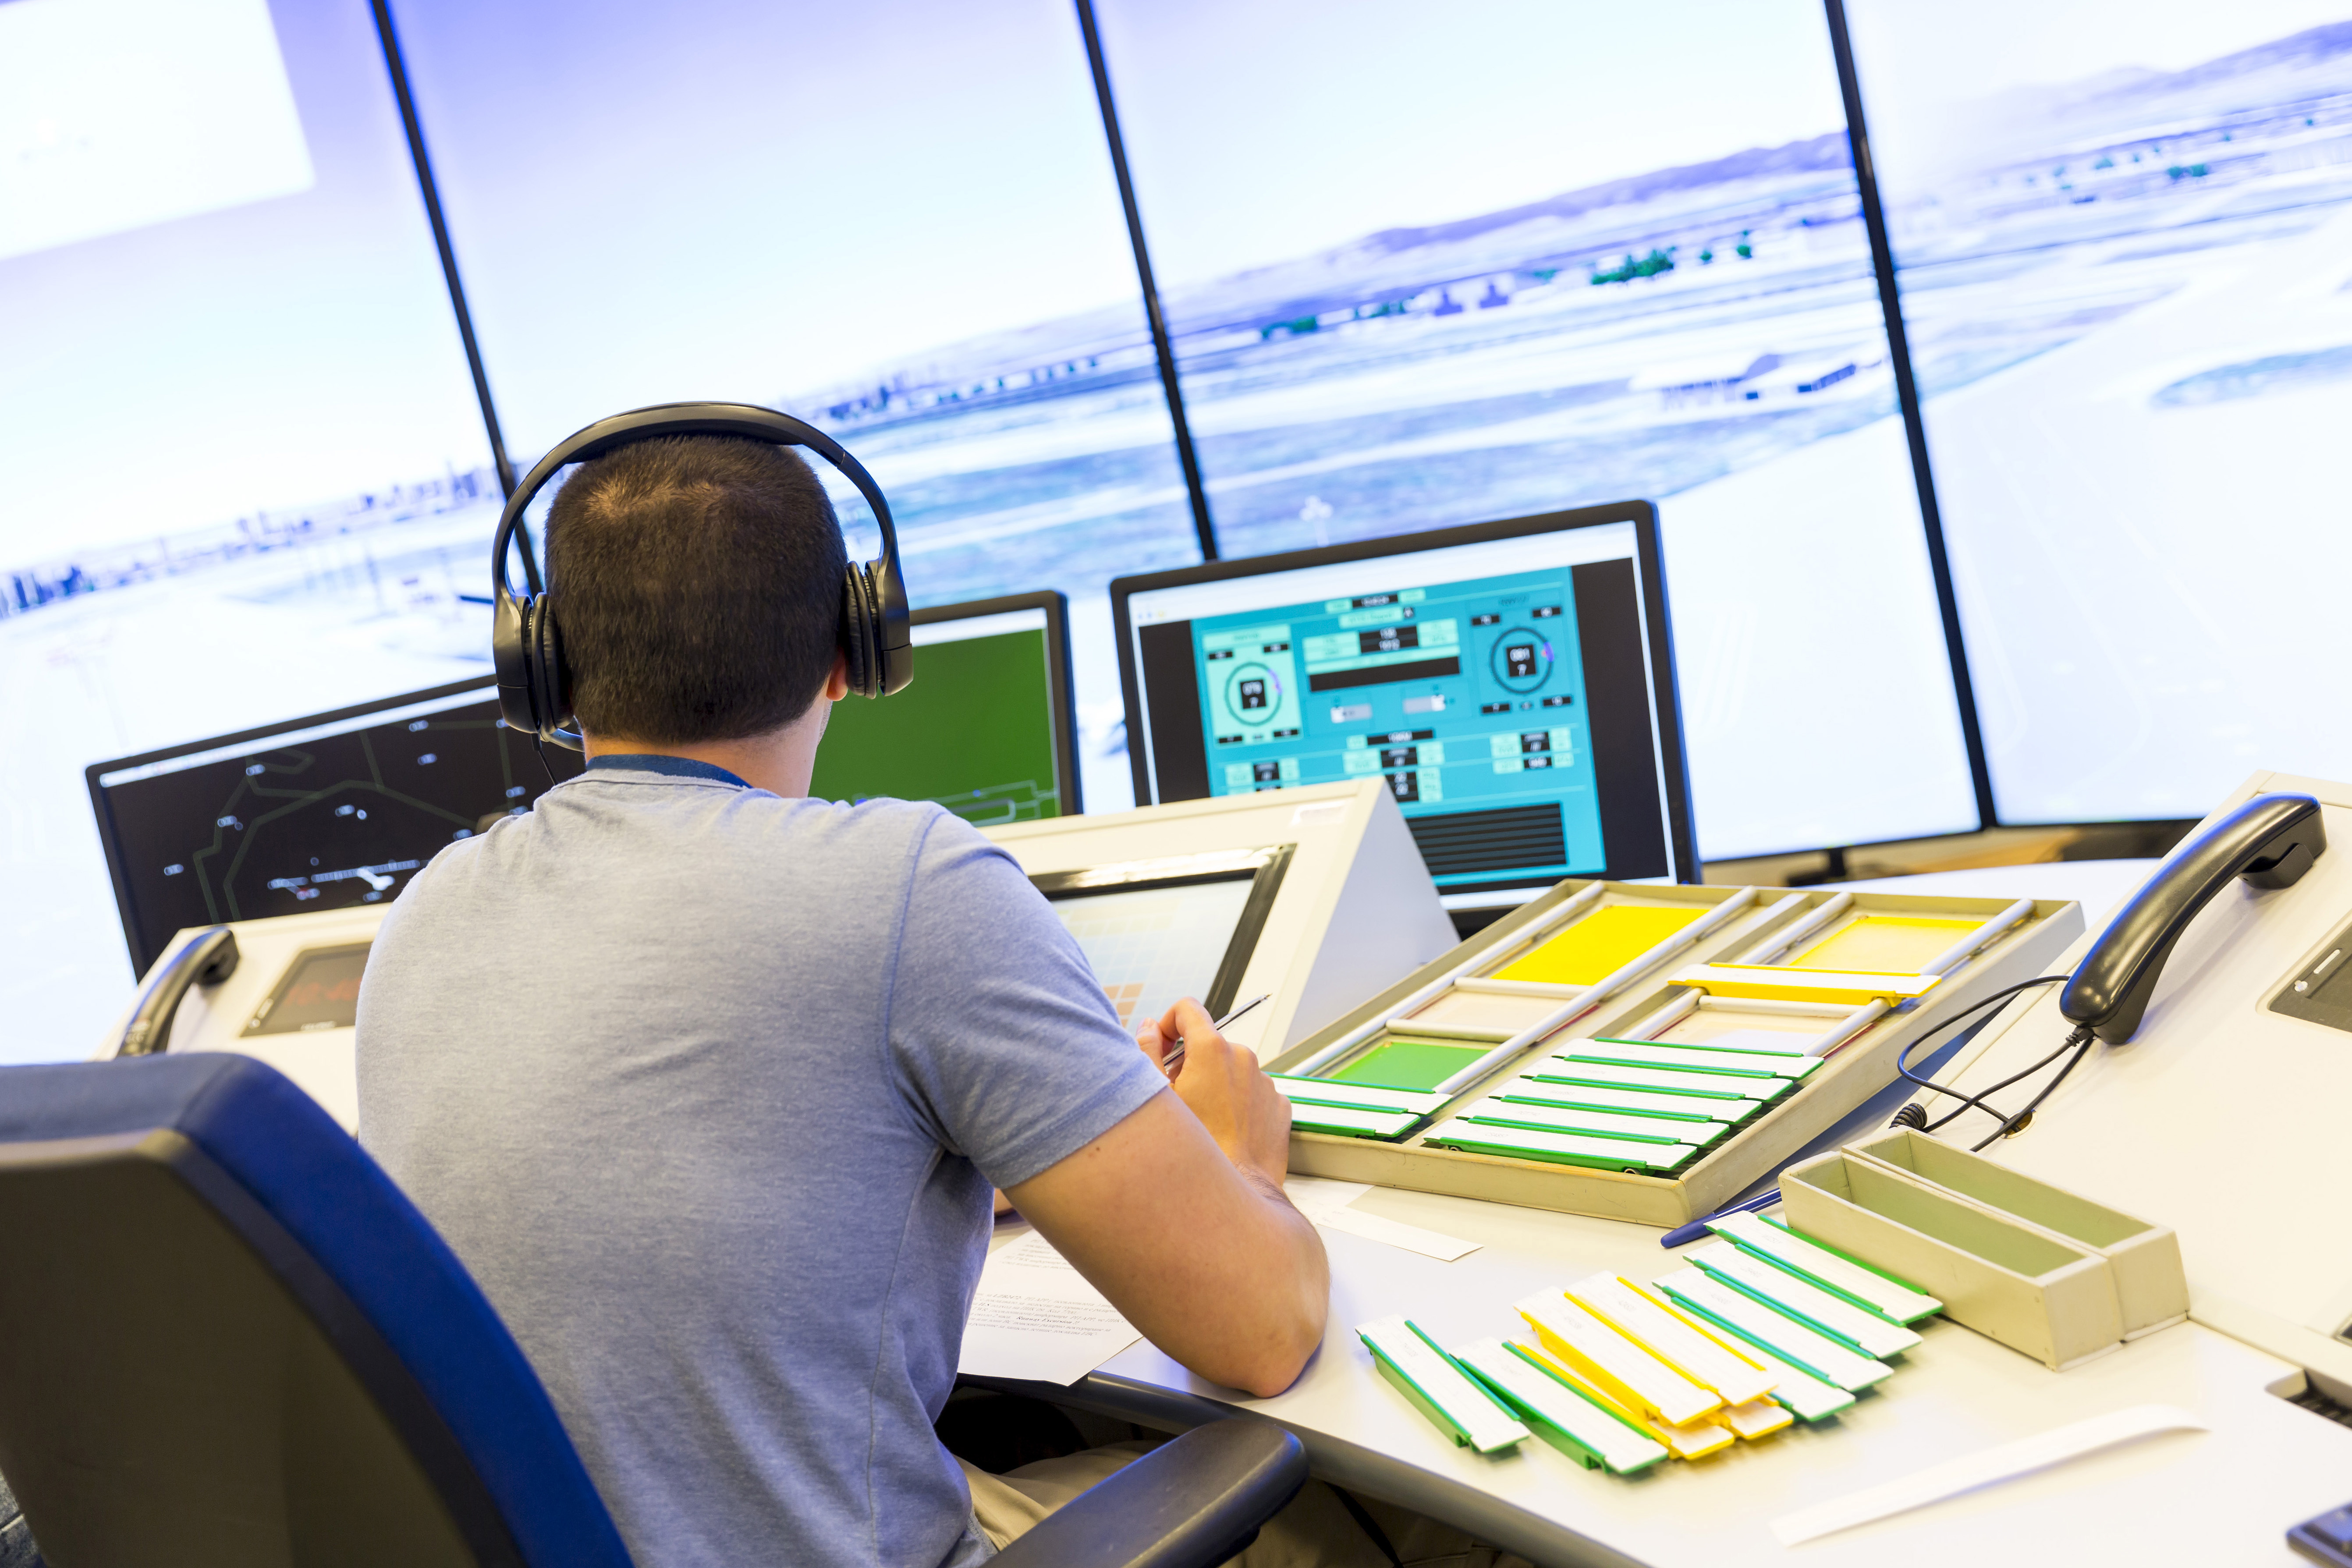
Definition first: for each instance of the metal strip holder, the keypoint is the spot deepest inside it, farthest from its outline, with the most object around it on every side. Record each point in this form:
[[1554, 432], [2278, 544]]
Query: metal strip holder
[[1558, 914], [1559, 1018]]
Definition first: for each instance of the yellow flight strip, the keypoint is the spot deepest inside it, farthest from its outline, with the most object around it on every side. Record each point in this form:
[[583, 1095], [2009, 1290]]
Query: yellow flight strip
[[1779, 983], [1634, 1377], [1673, 1338], [1691, 1440], [1756, 1418], [1599, 944], [1885, 944]]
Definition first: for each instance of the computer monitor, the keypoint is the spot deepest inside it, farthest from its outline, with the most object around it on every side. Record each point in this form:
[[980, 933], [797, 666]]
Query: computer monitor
[[1513, 682], [1158, 930], [316, 812], [985, 728]]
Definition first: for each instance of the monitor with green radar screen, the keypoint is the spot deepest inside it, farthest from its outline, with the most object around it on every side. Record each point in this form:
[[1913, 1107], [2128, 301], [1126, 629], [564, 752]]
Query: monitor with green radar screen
[[986, 727], [1512, 682]]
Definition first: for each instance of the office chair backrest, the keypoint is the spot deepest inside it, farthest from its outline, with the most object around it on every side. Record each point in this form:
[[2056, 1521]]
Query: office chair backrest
[[227, 1338]]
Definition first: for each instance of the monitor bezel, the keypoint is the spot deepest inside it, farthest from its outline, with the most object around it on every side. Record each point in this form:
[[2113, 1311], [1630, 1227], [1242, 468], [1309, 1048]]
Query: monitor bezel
[[1665, 702], [1263, 867], [1064, 717], [102, 806]]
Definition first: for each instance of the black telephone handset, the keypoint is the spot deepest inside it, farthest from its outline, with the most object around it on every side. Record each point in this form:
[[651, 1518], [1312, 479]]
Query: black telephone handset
[[2271, 841], [209, 958]]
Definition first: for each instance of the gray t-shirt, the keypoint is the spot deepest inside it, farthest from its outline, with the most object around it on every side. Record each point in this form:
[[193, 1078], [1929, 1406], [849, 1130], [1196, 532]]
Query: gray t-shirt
[[708, 1088]]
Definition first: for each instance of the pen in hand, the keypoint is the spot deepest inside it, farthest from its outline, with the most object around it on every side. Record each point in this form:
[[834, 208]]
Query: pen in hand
[[1175, 1059]]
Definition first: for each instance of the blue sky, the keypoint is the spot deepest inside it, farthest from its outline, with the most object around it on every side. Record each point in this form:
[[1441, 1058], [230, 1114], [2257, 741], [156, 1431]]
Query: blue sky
[[269, 355], [1918, 62], [743, 199], [720, 197], [1264, 130], [736, 198]]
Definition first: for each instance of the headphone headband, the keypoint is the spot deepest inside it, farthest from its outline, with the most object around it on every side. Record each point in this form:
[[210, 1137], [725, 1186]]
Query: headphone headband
[[744, 419], [877, 636]]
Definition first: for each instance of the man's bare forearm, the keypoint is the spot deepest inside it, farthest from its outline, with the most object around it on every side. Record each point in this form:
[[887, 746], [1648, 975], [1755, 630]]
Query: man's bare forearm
[[1296, 1294]]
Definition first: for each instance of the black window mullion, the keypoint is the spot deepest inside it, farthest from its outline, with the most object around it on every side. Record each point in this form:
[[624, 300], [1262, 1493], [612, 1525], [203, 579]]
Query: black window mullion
[[396, 68], [1906, 392], [1162, 345]]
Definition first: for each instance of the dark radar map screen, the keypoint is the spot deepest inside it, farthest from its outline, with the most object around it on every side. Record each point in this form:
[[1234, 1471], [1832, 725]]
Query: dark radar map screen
[[321, 813], [974, 731]]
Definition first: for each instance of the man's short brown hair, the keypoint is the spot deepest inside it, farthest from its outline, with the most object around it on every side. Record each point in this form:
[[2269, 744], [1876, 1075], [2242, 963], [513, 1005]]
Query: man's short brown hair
[[697, 582]]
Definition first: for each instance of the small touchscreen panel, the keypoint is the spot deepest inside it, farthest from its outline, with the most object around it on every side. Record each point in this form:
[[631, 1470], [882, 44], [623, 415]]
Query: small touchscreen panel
[[320, 990]]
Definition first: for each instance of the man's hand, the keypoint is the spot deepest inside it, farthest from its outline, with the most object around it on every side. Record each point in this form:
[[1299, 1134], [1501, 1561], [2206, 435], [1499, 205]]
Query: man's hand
[[1225, 1087], [1177, 1214]]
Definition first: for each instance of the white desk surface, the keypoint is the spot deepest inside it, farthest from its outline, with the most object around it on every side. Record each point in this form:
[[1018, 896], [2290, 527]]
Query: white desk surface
[[2225, 1495]]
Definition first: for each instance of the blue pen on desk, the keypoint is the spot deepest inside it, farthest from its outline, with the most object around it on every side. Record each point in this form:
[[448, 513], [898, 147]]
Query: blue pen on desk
[[1168, 1063], [1697, 1227]]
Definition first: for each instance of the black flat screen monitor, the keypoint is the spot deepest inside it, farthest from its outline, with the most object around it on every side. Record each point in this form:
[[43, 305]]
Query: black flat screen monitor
[[316, 812], [986, 728], [1513, 682], [341, 809]]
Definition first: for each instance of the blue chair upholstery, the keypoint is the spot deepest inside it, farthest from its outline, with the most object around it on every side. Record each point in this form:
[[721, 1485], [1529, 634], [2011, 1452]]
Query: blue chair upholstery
[[137, 1196]]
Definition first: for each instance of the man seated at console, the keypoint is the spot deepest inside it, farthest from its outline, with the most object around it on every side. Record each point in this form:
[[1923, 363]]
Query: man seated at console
[[708, 1082]]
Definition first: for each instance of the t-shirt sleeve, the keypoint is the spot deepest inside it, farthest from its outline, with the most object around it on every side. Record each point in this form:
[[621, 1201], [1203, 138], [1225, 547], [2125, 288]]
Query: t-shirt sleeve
[[1003, 1041]]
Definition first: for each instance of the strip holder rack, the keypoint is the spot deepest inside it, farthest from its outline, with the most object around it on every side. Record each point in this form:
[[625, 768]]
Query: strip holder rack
[[1646, 1052]]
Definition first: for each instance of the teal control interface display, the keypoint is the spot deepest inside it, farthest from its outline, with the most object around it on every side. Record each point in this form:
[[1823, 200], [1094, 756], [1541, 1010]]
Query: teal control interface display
[[1465, 695], [1510, 683]]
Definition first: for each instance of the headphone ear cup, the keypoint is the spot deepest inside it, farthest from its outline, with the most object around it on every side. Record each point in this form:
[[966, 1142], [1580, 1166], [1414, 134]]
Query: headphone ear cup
[[551, 689], [860, 623], [511, 658]]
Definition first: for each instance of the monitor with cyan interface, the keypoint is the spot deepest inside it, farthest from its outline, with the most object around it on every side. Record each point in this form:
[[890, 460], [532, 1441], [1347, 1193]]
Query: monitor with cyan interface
[[985, 728], [1512, 682], [320, 812]]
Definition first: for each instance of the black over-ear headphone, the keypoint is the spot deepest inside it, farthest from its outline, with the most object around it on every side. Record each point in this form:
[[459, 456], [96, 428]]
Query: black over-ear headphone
[[535, 684]]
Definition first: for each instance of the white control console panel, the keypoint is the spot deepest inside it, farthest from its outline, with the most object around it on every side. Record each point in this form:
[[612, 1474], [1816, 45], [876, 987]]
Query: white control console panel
[[290, 1001]]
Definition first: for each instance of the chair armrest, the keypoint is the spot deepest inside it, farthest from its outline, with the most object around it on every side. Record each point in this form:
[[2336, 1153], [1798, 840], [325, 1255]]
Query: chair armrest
[[1191, 1503]]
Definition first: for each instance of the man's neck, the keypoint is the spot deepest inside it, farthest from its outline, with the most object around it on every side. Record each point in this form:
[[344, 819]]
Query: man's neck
[[780, 761]]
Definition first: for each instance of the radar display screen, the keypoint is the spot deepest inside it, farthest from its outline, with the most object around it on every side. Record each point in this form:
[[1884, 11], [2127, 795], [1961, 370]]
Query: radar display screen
[[982, 729], [320, 813], [1510, 691]]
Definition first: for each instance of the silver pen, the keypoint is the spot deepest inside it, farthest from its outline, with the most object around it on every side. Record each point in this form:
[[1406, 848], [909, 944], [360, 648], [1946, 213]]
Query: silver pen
[[1173, 1060]]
